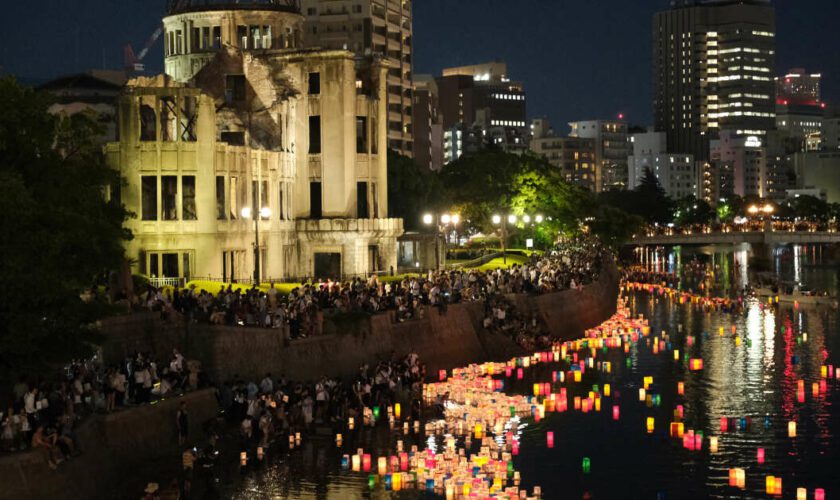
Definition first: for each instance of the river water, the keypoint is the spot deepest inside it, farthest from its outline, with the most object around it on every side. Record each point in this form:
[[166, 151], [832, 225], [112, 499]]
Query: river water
[[754, 379]]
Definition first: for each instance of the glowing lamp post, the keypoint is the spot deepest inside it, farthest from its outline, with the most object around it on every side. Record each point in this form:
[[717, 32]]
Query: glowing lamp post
[[265, 213], [444, 221]]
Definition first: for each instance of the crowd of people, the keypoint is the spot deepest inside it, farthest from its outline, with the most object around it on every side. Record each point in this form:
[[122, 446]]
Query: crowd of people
[[277, 406], [42, 415], [573, 264]]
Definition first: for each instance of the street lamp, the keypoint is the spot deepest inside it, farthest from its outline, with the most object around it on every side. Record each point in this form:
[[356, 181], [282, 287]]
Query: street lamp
[[445, 220], [512, 219], [265, 213]]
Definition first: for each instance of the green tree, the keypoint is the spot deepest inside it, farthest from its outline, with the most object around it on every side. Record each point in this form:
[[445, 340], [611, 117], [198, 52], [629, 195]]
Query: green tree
[[690, 210], [649, 200], [59, 232], [412, 190]]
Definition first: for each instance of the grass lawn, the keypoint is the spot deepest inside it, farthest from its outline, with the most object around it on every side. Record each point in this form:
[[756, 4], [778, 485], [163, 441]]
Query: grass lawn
[[498, 263], [214, 286]]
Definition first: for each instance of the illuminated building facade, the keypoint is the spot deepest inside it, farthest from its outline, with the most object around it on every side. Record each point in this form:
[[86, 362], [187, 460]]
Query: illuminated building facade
[[611, 151], [574, 156], [371, 28], [241, 126], [714, 62], [677, 173], [483, 97]]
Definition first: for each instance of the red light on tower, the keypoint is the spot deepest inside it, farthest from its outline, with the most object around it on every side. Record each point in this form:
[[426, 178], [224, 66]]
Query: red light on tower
[[621, 116]]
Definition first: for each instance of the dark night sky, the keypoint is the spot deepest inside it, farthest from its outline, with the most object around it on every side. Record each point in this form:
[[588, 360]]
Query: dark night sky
[[578, 59]]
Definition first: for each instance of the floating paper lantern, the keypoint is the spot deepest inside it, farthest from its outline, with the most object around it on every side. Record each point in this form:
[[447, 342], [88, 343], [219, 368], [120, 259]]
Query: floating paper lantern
[[366, 462], [479, 431], [371, 482], [681, 388], [695, 364], [549, 437], [677, 429], [345, 461], [713, 444], [676, 354], [338, 440], [243, 459], [587, 465], [397, 410], [615, 412], [578, 375], [382, 466], [650, 424], [724, 424], [792, 429], [770, 485], [760, 455], [442, 375], [642, 395], [519, 374], [350, 423], [801, 494], [357, 463], [648, 381], [607, 390], [815, 389], [741, 478], [819, 494]]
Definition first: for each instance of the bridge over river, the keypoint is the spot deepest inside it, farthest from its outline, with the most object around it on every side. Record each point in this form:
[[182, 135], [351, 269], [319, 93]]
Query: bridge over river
[[767, 237]]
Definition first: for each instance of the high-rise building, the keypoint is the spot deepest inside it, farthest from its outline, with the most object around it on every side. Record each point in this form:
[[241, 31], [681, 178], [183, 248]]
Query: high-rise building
[[482, 96], [254, 158], [740, 164], [611, 151], [368, 28], [428, 129], [574, 156], [799, 110], [798, 87], [714, 62], [678, 174]]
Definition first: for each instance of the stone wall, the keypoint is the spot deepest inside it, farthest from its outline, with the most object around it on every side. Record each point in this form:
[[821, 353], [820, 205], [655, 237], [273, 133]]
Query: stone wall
[[114, 447], [442, 341]]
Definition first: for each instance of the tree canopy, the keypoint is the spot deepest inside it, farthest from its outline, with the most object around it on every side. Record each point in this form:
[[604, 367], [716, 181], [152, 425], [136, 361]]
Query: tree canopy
[[498, 183], [412, 190], [59, 230]]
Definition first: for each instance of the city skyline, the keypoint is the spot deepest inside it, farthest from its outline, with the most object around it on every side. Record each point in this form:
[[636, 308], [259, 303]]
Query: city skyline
[[447, 34]]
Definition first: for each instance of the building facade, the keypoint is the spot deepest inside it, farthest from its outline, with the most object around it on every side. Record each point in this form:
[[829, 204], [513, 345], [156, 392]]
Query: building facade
[[428, 129], [679, 175], [714, 62], [574, 156], [371, 28], [284, 141], [741, 165], [482, 97], [611, 151]]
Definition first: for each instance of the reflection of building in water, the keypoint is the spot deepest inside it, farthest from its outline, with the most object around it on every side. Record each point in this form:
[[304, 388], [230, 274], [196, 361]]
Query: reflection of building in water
[[247, 120]]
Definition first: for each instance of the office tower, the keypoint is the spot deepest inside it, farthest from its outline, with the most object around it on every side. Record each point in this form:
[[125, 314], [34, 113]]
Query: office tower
[[483, 98], [714, 62], [371, 28]]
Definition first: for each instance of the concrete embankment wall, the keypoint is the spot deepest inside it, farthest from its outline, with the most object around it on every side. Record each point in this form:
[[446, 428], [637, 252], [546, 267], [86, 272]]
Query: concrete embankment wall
[[442, 341], [114, 447], [120, 445]]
